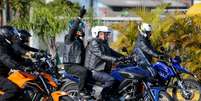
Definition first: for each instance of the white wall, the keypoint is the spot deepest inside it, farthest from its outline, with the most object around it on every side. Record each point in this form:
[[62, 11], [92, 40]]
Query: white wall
[[197, 1]]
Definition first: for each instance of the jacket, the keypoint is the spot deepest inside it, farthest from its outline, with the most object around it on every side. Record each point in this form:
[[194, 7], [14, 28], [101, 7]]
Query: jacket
[[144, 50], [7, 56], [74, 51], [99, 56]]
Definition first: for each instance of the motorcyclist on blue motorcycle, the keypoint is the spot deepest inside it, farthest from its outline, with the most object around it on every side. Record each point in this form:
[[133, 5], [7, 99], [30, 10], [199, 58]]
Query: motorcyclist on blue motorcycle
[[143, 49], [99, 59], [74, 50]]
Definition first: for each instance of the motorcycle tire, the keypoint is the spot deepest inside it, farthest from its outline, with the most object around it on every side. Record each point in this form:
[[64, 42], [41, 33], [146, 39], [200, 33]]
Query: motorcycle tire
[[193, 91]]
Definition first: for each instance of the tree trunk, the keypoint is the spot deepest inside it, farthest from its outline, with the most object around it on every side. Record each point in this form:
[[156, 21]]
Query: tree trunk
[[4, 12], [52, 46]]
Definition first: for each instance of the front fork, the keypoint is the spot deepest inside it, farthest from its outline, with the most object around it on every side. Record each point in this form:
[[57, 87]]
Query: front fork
[[180, 84], [147, 88]]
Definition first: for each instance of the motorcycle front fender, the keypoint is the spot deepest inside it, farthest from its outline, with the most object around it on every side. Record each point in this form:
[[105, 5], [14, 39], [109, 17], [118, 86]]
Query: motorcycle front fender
[[57, 94]]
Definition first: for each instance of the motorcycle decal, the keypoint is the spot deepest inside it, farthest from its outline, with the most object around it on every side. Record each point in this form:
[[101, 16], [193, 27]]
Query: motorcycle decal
[[21, 78], [163, 70]]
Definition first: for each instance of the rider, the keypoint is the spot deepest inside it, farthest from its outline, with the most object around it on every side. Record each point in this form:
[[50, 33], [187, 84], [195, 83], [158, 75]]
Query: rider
[[21, 47], [8, 60], [143, 49], [74, 50], [99, 58]]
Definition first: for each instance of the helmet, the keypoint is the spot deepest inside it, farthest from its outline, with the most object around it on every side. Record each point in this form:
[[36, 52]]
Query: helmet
[[9, 32], [81, 25], [24, 35], [145, 29], [95, 30]]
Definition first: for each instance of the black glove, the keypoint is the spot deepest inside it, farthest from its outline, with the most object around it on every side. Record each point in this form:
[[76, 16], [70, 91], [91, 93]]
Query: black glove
[[126, 60], [82, 12], [130, 60]]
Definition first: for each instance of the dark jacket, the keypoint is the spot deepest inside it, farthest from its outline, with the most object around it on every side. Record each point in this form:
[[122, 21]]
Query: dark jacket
[[144, 50], [7, 56], [74, 50], [99, 56]]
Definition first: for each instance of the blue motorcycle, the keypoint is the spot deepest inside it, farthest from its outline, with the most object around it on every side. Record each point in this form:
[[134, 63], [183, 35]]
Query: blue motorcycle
[[132, 76], [129, 79], [169, 75]]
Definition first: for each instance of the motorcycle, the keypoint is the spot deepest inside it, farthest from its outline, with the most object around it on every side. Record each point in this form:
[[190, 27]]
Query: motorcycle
[[39, 83], [127, 80], [169, 75]]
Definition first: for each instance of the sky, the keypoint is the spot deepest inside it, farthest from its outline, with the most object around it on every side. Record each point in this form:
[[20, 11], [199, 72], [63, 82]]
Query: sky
[[82, 2]]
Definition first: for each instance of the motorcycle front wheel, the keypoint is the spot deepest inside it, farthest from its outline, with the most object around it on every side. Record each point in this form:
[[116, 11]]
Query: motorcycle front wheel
[[190, 92]]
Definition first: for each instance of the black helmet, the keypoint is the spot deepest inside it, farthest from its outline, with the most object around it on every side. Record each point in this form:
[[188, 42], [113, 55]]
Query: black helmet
[[24, 35], [9, 32]]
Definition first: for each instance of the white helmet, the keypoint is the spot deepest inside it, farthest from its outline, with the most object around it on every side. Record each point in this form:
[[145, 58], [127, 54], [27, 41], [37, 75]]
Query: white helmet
[[144, 29], [95, 30]]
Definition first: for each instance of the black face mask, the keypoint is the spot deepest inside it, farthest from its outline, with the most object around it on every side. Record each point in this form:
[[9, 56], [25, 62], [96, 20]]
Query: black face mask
[[83, 34]]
